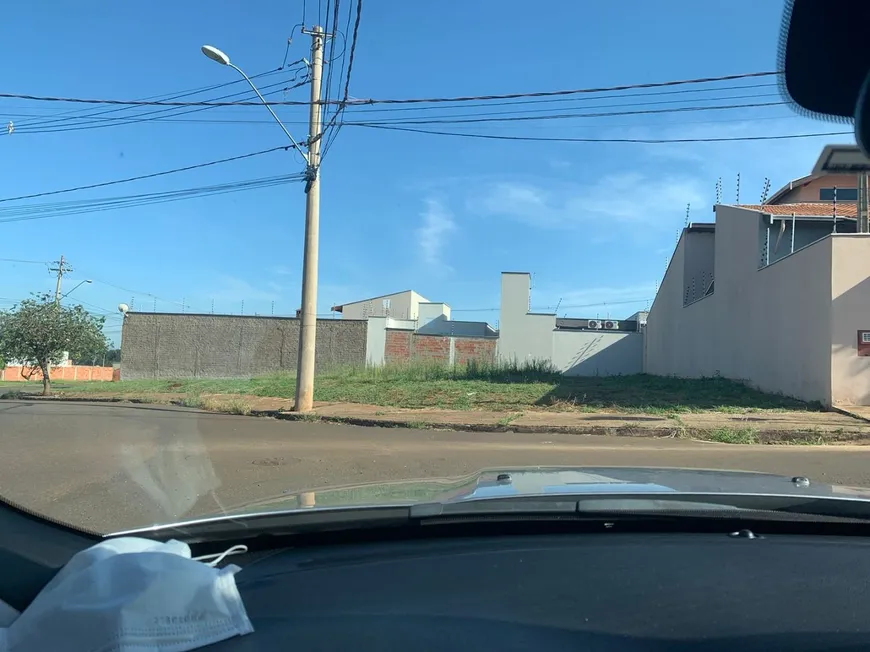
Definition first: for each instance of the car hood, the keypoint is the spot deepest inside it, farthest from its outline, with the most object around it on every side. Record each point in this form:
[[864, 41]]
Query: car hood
[[537, 481]]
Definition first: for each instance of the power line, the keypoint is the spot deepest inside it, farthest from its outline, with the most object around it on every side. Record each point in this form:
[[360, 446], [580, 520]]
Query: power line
[[146, 176], [538, 101], [476, 116], [563, 116], [578, 305], [336, 126], [643, 141], [430, 100], [28, 262], [134, 292], [73, 115], [44, 211], [93, 121]]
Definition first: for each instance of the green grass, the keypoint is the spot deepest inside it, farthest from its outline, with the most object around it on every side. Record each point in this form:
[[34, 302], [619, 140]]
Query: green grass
[[502, 387], [726, 435]]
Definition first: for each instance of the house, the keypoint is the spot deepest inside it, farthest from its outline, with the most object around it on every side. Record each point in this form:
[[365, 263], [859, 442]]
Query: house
[[574, 346], [400, 305], [774, 294]]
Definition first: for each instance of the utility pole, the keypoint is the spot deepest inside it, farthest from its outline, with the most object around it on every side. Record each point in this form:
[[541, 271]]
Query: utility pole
[[61, 269], [308, 326]]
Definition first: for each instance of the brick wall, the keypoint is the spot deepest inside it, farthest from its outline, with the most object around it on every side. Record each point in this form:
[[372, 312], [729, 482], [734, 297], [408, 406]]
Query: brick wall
[[431, 348], [398, 346], [474, 348], [405, 345], [72, 372], [173, 345]]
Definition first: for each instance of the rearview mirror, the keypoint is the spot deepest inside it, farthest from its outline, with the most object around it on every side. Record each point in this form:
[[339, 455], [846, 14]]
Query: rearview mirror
[[826, 62]]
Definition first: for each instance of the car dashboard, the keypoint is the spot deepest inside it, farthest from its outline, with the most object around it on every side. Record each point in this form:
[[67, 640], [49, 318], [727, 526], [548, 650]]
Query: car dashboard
[[602, 591]]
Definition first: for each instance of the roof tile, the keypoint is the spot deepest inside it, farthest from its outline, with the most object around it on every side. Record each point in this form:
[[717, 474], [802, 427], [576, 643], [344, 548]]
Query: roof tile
[[806, 209]]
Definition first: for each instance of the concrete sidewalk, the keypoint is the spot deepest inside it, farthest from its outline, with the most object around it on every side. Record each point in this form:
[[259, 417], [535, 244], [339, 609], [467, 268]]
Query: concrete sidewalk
[[765, 427]]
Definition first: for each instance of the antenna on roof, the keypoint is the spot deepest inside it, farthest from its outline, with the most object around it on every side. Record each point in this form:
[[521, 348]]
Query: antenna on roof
[[719, 191], [765, 190], [834, 209], [688, 208], [558, 304], [738, 187]]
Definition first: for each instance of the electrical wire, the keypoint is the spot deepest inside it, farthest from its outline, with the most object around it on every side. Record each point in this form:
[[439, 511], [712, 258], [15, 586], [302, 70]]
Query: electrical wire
[[328, 32], [147, 176], [456, 117], [134, 292], [431, 100], [332, 136], [171, 96], [562, 116], [578, 305], [28, 262], [148, 116], [553, 100], [44, 211], [643, 141]]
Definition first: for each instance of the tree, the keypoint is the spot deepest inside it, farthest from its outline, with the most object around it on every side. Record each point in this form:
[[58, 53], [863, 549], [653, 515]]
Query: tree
[[37, 332]]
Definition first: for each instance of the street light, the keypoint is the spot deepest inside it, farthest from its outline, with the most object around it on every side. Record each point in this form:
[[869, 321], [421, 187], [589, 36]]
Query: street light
[[308, 322], [74, 289], [222, 58]]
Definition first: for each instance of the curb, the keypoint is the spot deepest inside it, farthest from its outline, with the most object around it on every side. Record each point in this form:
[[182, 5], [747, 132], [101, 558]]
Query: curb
[[764, 437], [847, 413]]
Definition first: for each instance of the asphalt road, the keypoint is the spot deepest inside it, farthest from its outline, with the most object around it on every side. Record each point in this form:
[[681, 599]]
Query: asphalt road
[[110, 467]]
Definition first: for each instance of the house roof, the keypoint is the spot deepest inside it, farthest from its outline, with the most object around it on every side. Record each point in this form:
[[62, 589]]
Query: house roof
[[791, 185], [340, 307], [806, 209]]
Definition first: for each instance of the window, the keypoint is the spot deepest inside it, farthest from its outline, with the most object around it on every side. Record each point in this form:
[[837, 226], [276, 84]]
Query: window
[[865, 337], [843, 194]]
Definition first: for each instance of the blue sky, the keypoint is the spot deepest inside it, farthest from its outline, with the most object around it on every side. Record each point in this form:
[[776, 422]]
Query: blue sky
[[594, 223]]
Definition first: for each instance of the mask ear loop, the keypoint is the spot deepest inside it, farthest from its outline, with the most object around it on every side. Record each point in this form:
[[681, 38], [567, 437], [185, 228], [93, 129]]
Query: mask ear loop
[[218, 557]]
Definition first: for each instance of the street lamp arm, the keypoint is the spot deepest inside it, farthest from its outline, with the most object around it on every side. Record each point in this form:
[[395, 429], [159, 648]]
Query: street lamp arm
[[266, 104], [64, 296]]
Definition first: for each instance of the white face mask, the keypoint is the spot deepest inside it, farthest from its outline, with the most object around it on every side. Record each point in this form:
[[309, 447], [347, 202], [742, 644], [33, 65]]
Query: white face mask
[[131, 594]]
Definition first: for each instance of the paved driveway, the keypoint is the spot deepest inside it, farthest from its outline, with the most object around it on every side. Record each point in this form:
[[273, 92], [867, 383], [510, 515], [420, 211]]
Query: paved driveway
[[113, 466]]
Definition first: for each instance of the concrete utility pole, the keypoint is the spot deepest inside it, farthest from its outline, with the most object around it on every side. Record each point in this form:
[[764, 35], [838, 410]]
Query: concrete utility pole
[[61, 269], [308, 326], [308, 312]]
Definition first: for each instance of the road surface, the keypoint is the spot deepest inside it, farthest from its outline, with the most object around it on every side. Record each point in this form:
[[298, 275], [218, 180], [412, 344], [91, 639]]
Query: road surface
[[110, 467]]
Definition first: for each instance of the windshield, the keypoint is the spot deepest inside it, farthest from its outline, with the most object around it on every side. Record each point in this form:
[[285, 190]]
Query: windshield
[[345, 253]]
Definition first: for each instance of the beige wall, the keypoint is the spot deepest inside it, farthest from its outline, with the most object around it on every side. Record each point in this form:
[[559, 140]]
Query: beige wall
[[769, 327], [810, 192], [403, 305], [850, 306]]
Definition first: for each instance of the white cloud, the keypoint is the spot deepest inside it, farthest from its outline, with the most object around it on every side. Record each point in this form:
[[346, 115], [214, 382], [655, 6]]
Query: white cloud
[[432, 234], [232, 288], [630, 198], [281, 270], [559, 164], [596, 300]]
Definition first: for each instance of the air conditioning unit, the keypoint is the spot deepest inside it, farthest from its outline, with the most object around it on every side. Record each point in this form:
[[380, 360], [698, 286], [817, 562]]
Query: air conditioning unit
[[611, 325], [593, 323]]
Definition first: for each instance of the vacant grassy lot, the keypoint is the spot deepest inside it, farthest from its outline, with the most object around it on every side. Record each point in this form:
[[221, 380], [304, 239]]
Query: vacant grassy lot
[[497, 387]]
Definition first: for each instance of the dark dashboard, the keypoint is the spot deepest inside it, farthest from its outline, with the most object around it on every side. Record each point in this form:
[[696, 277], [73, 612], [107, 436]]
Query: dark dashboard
[[605, 591]]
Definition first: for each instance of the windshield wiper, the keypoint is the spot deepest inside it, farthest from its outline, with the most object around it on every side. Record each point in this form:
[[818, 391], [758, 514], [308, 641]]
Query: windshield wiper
[[651, 503], [585, 507]]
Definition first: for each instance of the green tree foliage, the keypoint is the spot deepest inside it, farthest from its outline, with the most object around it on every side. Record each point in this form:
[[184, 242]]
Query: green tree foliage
[[38, 331]]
